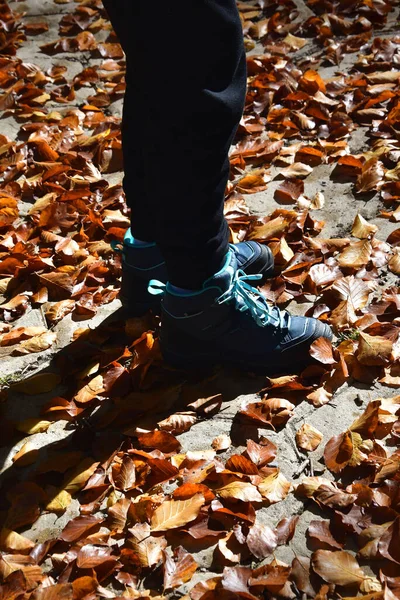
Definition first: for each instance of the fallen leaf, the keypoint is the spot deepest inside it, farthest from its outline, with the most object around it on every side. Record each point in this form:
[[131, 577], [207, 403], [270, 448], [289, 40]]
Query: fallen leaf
[[362, 229], [37, 384], [274, 487], [261, 540], [38, 343], [308, 438], [178, 569], [240, 490], [32, 426], [340, 567], [221, 442], [176, 513], [26, 455]]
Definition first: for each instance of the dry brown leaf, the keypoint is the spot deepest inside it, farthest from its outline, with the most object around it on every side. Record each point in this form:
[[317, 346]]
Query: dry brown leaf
[[13, 542], [374, 350], [371, 175], [356, 255], [59, 310], [26, 455], [90, 390], [297, 169], [346, 449], [308, 437], [274, 487], [240, 490], [149, 549], [176, 513], [221, 442], [37, 384], [261, 540], [394, 261], [179, 422], [19, 334], [362, 229], [38, 343], [340, 567], [178, 569]]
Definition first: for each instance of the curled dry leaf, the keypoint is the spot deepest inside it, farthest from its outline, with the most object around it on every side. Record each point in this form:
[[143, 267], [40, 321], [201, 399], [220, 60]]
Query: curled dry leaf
[[221, 442], [322, 351], [261, 540], [26, 455], [178, 569], [371, 175], [274, 487], [38, 343], [19, 334], [13, 542], [297, 169], [60, 502], [374, 350], [346, 449], [362, 229], [149, 549], [179, 422], [394, 261], [59, 310], [356, 255], [308, 438]]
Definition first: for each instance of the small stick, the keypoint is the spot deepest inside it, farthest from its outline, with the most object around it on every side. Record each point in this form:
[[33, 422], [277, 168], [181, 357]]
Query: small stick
[[301, 468]]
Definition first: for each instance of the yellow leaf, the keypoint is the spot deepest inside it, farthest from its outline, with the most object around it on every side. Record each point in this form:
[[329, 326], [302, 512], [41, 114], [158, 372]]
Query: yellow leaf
[[26, 456], [33, 425], [240, 490], [77, 480], [362, 229], [37, 384], [176, 513], [11, 541], [356, 255], [60, 502]]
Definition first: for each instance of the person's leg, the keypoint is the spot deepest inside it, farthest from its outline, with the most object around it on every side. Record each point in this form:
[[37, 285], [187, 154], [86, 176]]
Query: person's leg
[[186, 83]]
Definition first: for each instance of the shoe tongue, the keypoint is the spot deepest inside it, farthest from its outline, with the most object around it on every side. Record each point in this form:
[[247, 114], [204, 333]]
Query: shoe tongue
[[223, 278]]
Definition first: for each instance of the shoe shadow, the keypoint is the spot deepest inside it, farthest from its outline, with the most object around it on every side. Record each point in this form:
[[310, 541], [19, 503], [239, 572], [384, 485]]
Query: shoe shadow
[[88, 427]]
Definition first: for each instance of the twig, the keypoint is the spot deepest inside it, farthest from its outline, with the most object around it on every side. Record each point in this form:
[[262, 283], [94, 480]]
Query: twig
[[301, 468]]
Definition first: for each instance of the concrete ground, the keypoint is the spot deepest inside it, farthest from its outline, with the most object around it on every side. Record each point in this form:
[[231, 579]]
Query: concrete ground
[[341, 207]]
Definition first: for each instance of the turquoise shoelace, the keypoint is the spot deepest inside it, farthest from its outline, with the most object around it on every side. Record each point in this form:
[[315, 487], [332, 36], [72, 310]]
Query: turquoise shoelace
[[246, 298]]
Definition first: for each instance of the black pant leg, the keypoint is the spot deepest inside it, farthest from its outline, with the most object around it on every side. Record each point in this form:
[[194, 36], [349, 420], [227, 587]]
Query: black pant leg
[[186, 79]]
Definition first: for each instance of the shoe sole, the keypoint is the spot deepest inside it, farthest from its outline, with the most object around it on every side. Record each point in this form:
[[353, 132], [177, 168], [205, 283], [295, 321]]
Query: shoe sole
[[293, 359]]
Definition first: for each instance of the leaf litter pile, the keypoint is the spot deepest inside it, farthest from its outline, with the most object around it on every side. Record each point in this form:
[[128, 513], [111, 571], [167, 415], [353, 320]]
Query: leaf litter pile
[[143, 507]]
